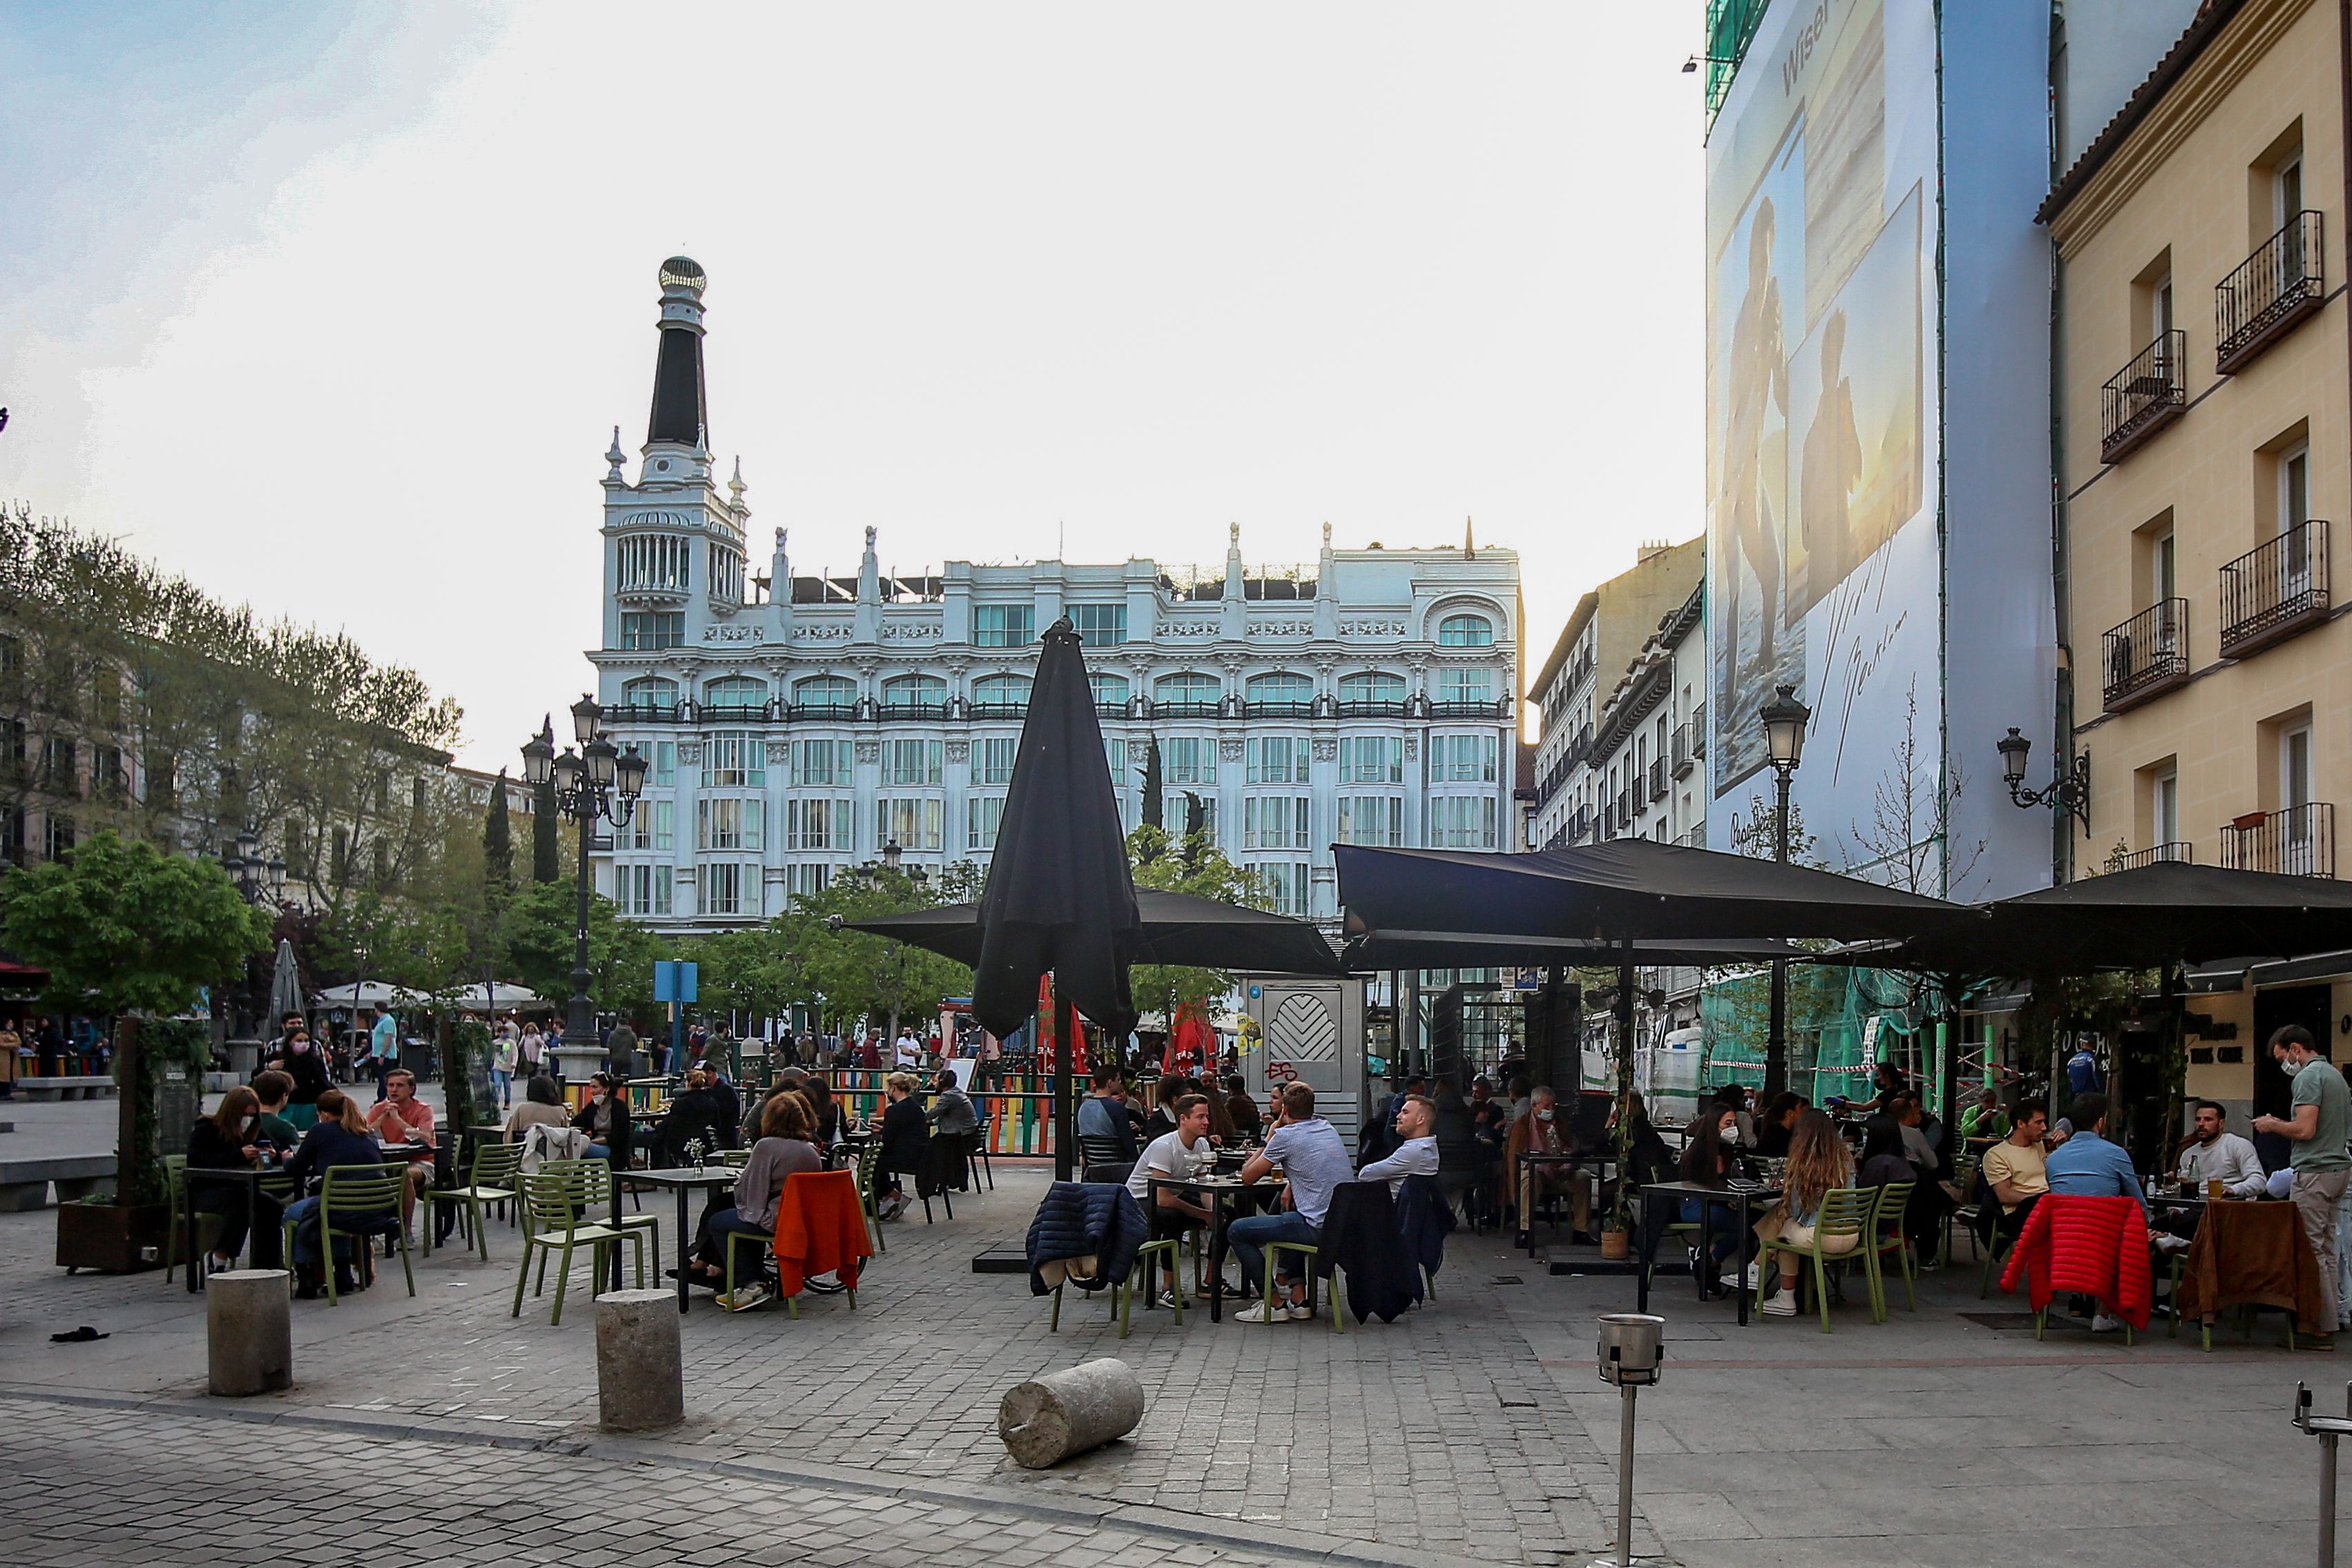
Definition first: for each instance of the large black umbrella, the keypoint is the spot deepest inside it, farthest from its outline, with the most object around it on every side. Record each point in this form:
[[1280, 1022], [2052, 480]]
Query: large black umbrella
[[1059, 897], [1176, 928], [1626, 890]]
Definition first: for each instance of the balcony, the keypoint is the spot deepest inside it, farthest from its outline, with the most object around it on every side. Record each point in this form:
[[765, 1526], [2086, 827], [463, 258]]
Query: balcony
[[642, 713], [1684, 756], [2275, 591], [2298, 841], [2178, 852], [994, 710], [1373, 709], [1658, 779], [2148, 655], [1492, 710], [2272, 291], [2145, 396], [898, 713], [1278, 710], [1698, 730], [1186, 710], [729, 713], [821, 713]]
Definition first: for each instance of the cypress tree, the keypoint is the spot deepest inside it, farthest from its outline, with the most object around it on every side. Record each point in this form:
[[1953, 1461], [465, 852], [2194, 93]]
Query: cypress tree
[[546, 860], [498, 843], [1154, 802]]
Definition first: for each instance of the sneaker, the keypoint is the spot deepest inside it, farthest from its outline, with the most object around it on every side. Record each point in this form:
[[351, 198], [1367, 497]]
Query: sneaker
[[1170, 1300], [1755, 1278], [1780, 1304], [1301, 1313], [2171, 1243], [744, 1298], [2102, 1324], [1255, 1312]]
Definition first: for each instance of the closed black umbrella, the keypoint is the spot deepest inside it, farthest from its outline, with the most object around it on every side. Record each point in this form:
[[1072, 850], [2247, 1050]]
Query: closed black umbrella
[[1176, 928], [1059, 897]]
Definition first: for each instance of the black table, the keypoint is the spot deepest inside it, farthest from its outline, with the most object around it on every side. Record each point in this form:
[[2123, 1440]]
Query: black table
[[1741, 1199], [247, 1177], [1523, 1188], [682, 1181], [1220, 1191]]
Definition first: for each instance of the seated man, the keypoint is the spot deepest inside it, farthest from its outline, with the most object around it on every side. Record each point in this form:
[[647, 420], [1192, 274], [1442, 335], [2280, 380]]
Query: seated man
[[273, 1088], [1416, 1150], [1923, 1217], [952, 1113], [2087, 1165], [2211, 1154], [1312, 1158], [1544, 1130], [400, 1117], [2015, 1169], [1103, 1114], [1182, 1155]]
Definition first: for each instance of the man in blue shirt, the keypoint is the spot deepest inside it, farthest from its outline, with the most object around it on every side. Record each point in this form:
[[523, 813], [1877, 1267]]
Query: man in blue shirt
[[2083, 1071], [2087, 1165], [1314, 1162], [1103, 1114], [383, 1046]]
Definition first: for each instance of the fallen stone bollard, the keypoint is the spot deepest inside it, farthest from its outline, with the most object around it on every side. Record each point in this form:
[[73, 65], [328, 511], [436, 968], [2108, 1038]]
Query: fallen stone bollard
[[250, 1332], [640, 1377], [1050, 1418]]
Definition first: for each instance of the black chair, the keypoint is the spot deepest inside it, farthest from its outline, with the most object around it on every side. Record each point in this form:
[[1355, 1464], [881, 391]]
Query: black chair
[[1100, 1158], [976, 1155]]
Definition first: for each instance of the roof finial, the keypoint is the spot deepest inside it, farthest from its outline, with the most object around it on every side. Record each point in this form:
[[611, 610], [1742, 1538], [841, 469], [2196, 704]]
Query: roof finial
[[735, 485], [1469, 551], [615, 456], [1327, 535], [1233, 535]]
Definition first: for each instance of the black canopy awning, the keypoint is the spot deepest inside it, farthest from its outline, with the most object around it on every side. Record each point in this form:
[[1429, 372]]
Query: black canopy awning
[[1177, 928], [1388, 949]]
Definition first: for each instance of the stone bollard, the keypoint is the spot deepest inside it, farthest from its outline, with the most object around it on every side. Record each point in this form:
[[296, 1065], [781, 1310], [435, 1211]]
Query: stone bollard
[[1064, 1413], [249, 1330], [640, 1379]]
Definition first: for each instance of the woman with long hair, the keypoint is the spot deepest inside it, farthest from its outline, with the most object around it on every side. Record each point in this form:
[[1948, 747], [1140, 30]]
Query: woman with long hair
[[785, 1146], [1711, 1158], [1819, 1164], [340, 1138], [230, 1139]]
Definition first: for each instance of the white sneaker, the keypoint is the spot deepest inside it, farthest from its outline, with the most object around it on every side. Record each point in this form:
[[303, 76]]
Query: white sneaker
[[1255, 1312], [744, 1298], [1301, 1313], [2102, 1324], [1755, 1278], [1170, 1300], [1780, 1304]]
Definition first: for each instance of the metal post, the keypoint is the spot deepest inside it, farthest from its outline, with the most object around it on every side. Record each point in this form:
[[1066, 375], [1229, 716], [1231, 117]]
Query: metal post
[[1776, 1045], [2328, 1429], [1625, 1479], [580, 1013], [1065, 1108]]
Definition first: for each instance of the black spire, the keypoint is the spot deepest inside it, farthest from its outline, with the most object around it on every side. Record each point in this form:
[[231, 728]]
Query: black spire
[[680, 412]]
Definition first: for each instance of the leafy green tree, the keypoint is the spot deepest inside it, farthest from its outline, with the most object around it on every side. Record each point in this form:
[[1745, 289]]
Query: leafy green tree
[[546, 853], [1155, 795], [1191, 864], [535, 936], [123, 928], [860, 975], [497, 845]]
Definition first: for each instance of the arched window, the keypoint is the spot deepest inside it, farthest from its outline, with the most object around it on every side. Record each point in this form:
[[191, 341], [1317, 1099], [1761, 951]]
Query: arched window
[[1371, 686], [735, 692], [914, 693], [1191, 689], [1465, 631], [1111, 691], [1003, 694], [826, 694], [650, 693], [1280, 687]]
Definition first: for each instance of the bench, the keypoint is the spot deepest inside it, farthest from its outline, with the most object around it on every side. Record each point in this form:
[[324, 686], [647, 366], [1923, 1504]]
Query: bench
[[65, 1086], [24, 1184]]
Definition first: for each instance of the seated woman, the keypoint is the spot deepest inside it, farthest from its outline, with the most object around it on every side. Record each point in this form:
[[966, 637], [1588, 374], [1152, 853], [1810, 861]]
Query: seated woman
[[826, 1120], [1711, 1158], [1162, 1120], [302, 1060], [783, 1148], [1819, 1163], [543, 1106], [1248, 1122], [699, 1111], [606, 1117], [1775, 1128], [904, 1133], [340, 1138], [230, 1139]]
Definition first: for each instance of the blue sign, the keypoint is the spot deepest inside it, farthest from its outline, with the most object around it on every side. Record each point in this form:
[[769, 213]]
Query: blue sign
[[675, 981]]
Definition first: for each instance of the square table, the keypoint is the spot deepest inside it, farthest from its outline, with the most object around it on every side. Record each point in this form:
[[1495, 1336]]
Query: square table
[[681, 1181], [249, 1176], [1220, 1191], [1741, 1199]]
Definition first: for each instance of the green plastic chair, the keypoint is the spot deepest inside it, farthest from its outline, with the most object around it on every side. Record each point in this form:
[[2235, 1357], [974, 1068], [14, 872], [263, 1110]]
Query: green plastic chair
[[357, 1203], [208, 1225], [1307, 1254], [1148, 1258], [1887, 1236], [492, 1180], [1845, 1211], [598, 1174], [556, 1205]]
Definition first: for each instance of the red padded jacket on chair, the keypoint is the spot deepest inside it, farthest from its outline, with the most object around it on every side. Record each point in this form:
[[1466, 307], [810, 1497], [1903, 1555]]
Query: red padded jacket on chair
[[2093, 1246], [820, 1229]]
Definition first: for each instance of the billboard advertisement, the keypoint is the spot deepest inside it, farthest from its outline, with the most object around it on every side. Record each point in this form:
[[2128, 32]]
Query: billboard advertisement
[[1823, 553]]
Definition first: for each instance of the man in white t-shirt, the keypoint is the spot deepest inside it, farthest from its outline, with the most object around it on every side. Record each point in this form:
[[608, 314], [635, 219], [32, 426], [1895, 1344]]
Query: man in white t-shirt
[[1416, 1152], [1183, 1153], [908, 1053]]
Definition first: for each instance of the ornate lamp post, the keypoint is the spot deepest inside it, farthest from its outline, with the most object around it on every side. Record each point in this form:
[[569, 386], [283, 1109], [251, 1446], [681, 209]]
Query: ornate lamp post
[[598, 782], [1784, 743], [263, 881], [2069, 792]]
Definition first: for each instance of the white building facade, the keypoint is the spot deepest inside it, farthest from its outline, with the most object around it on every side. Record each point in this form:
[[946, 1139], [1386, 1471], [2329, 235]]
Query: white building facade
[[799, 724]]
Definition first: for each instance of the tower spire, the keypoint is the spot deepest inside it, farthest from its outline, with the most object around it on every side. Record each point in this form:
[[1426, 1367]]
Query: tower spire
[[680, 412]]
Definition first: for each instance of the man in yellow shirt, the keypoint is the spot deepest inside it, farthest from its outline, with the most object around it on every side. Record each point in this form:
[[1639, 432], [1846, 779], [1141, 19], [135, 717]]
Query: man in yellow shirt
[[2014, 1167]]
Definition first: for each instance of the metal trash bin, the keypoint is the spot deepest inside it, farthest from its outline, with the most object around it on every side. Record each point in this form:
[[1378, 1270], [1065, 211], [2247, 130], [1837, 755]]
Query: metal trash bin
[[1631, 1346]]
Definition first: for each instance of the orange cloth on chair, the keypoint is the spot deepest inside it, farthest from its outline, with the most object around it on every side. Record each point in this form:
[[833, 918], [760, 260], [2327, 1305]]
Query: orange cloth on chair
[[2093, 1246], [2252, 1254], [820, 1229]]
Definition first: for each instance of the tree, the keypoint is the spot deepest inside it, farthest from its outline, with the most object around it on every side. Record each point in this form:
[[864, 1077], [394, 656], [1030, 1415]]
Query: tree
[[546, 855], [123, 928], [860, 975], [497, 845], [1194, 865], [536, 940], [1155, 805], [1907, 843]]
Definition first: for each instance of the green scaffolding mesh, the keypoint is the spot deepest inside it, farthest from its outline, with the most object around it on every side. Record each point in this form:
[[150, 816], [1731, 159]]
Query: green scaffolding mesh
[[1833, 1040]]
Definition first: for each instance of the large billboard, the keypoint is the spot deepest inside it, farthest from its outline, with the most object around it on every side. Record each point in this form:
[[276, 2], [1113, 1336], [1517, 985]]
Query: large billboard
[[1822, 555]]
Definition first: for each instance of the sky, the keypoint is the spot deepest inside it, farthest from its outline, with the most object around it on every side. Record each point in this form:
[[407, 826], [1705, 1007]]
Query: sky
[[333, 307]]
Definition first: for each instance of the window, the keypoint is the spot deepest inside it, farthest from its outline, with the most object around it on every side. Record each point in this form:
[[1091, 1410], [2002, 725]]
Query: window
[[60, 772], [735, 691], [645, 629], [654, 561], [1376, 820], [1465, 631], [107, 779], [106, 699], [1274, 822], [806, 881], [2164, 808], [826, 694], [1371, 760], [1457, 684], [732, 758], [912, 824], [2286, 192], [653, 827], [728, 888], [910, 762], [2295, 768], [1371, 688], [1006, 693], [665, 762], [2294, 487], [995, 755], [1115, 758], [1189, 689], [1099, 625], [1178, 813], [817, 823], [729, 825], [821, 764], [987, 811], [1280, 688], [1004, 625], [1284, 884], [642, 890], [58, 839], [1462, 822], [1111, 691], [1188, 759], [1468, 760], [650, 693], [1274, 759], [913, 694], [726, 572]]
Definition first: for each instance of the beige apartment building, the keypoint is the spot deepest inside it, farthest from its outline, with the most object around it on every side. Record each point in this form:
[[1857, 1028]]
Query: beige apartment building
[[2204, 423]]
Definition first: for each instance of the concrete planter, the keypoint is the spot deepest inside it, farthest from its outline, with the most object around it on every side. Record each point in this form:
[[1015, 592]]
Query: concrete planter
[[113, 1238]]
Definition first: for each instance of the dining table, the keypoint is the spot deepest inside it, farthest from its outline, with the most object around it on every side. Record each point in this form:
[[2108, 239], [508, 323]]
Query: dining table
[[1223, 1193], [1741, 1198], [682, 1180]]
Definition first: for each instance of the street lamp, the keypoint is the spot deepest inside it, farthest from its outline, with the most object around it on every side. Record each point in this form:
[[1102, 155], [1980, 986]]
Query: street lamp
[[597, 782], [891, 856], [2069, 792], [1784, 720], [262, 881]]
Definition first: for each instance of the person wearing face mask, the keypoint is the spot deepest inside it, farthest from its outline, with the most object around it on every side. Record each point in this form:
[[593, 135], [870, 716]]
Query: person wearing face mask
[[300, 1060], [2315, 1136], [1711, 1158], [228, 1139], [1543, 1131]]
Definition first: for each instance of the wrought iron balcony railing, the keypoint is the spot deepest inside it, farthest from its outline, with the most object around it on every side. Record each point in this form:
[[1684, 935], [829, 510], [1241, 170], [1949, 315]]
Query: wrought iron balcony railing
[[2177, 849], [2145, 396], [1684, 756], [2273, 290], [2275, 591], [2147, 655], [1658, 779], [2296, 841]]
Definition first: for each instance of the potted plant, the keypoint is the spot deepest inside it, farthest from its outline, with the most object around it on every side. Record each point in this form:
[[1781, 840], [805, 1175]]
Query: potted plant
[[126, 930]]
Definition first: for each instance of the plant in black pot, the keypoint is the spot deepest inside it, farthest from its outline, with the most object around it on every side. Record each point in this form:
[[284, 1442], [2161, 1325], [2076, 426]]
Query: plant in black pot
[[129, 932]]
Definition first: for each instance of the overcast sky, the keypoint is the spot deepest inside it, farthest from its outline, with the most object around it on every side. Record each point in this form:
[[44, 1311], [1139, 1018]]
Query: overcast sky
[[333, 307]]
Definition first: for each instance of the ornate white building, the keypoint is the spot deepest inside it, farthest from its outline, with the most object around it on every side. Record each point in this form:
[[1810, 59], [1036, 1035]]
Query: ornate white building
[[797, 725]]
